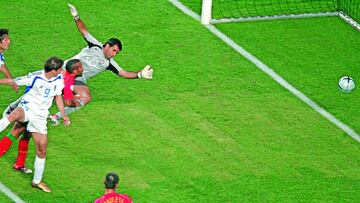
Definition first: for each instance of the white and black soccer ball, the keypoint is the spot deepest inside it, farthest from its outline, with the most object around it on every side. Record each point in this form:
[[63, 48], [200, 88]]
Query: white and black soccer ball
[[346, 84]]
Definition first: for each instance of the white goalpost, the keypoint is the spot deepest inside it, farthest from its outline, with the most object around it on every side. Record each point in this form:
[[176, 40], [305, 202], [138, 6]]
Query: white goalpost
[[206, 12], [349, 20]]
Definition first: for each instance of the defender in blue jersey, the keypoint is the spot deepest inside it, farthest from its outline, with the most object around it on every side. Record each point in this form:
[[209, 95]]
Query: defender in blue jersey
[[4, 45]]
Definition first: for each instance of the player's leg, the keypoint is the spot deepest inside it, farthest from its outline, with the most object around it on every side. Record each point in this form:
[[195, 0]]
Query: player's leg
[[7, 141], [41, 141], [22, 152], [84, 93], [4, 123], [17, 115], [37, 127], [11, 107]]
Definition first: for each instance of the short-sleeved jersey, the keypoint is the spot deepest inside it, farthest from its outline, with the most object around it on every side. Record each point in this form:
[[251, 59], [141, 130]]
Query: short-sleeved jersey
[[41, 91], [93, 60], [113, 198], [2, 59], [69, 80]]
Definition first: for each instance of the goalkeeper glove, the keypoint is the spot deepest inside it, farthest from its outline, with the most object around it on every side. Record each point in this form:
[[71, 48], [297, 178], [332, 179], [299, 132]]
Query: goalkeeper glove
[[73, 12], [146, 73]]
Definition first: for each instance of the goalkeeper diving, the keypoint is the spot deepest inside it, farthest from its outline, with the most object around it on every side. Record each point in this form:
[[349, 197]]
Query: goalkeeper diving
[[96, 58]]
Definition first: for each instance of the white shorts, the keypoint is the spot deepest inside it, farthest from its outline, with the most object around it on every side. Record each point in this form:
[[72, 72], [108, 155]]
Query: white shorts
[[37, 119]]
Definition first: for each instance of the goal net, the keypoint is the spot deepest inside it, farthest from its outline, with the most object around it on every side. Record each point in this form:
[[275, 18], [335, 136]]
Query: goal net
[[244, 10]]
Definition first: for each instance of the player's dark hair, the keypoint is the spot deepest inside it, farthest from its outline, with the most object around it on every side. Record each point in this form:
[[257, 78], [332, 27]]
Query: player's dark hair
[[111, 180], [3, 33], [113, 41], [53, 63], [71, 65]]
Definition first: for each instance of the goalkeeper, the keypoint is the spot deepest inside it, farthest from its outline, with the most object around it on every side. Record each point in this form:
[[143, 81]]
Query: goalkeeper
[[96, 58]]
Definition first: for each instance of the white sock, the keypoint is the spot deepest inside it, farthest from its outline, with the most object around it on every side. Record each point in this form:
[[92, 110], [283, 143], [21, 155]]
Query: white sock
[[4, 122], [68, 110], [39, 166]]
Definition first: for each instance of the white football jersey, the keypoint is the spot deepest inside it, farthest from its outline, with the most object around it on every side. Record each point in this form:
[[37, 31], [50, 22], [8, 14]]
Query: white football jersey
[[2, 59], [41, 91], [93, 59]]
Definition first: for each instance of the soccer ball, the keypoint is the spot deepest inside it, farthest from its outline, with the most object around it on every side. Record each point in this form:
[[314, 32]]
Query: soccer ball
[[346, 84]]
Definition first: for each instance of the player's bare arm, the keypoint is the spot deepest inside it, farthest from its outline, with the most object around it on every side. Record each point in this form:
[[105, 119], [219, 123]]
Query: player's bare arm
[[60, 104], [81, 27], [5, 71], [10, 81], [145, 73], [7, 81], [79, 23], [128, 74], [7, 74]]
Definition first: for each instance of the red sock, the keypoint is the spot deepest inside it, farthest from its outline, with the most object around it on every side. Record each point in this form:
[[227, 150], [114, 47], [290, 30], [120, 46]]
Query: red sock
[[5, 144], [22, 153]]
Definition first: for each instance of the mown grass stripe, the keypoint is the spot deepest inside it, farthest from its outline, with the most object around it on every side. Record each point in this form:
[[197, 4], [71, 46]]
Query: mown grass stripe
[[263, 67]]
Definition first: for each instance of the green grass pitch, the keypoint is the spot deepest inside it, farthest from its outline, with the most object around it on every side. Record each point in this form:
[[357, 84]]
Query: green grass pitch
[[210, 127]]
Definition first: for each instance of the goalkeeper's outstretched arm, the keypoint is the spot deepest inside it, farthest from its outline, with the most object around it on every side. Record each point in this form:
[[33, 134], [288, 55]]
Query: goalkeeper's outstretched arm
[[81, 27], [79, 23], [146, 73]]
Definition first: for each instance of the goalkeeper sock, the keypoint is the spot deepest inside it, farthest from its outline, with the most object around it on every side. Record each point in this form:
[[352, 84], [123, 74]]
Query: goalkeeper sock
[[22, 152], [68, 110], [4, 122], [39, 166], [5, 143]]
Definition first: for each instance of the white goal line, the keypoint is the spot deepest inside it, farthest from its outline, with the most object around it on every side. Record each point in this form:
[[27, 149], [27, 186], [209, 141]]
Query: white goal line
[[263, 67], [10, 194]]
